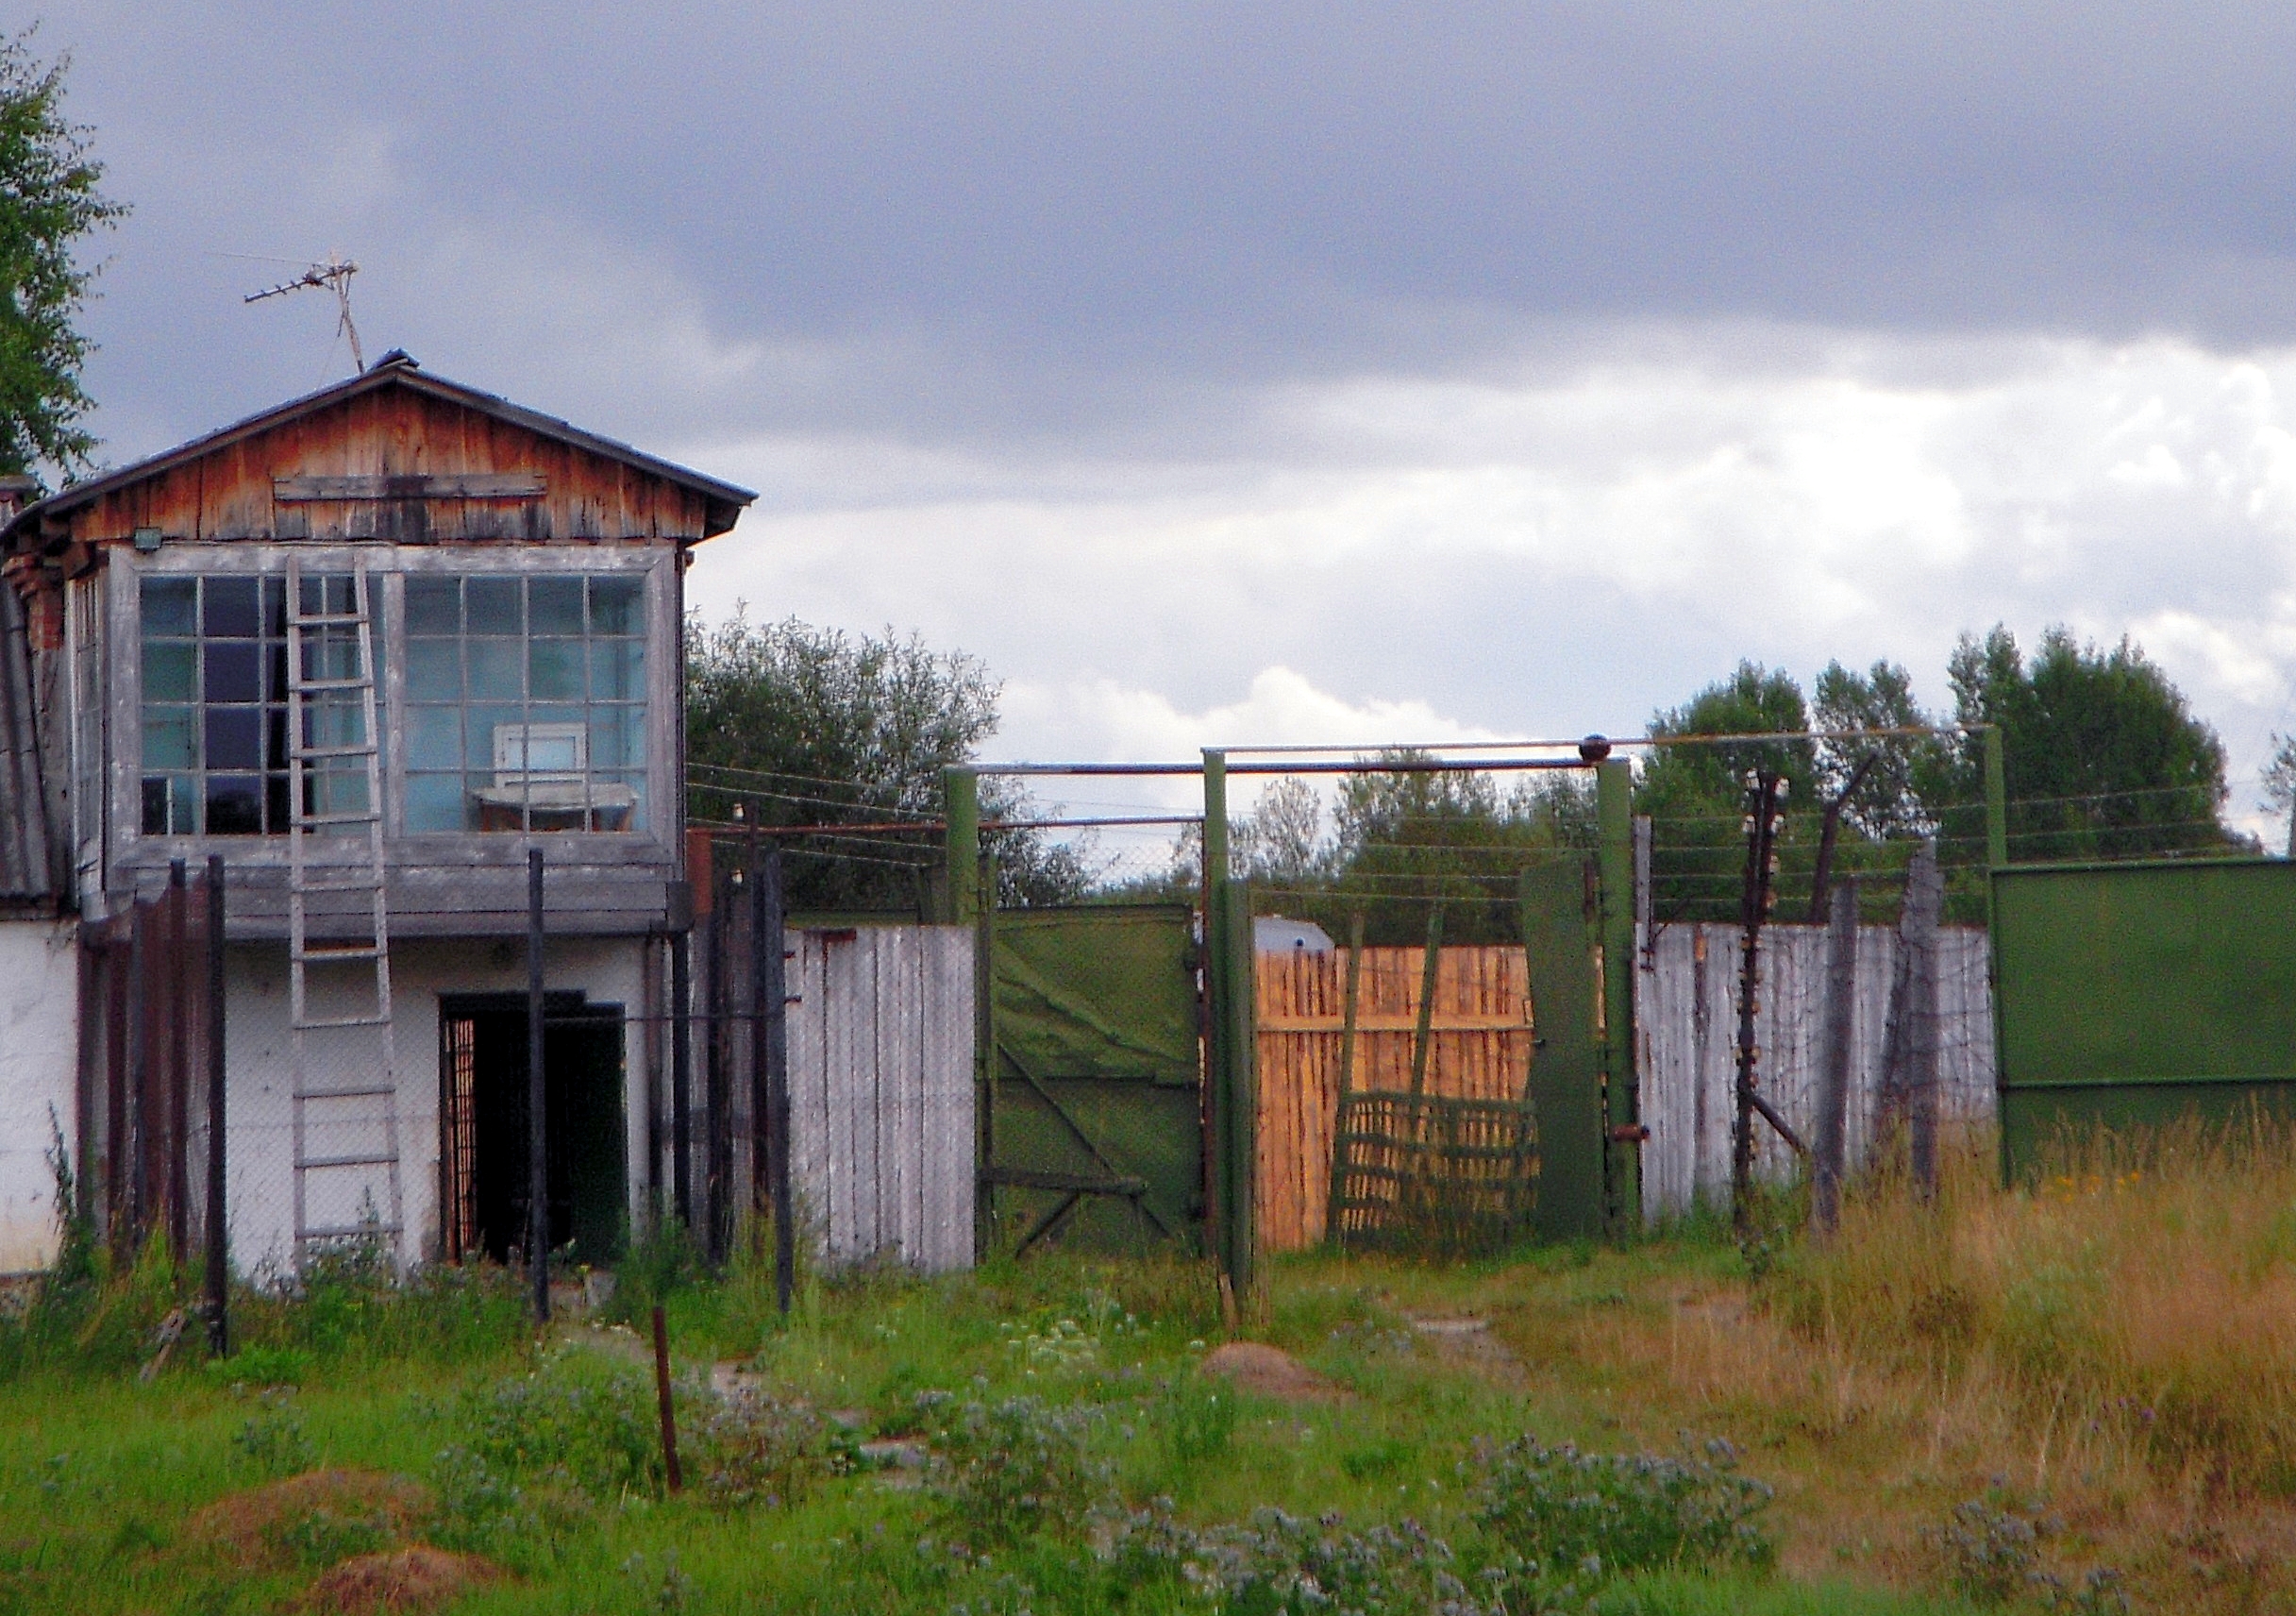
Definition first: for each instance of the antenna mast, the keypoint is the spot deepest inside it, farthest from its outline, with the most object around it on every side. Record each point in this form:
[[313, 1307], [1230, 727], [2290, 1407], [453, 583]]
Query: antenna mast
[[333, 276]]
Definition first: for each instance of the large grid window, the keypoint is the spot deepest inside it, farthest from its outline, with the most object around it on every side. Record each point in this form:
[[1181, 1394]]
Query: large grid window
[[214, 741], [526, 703]]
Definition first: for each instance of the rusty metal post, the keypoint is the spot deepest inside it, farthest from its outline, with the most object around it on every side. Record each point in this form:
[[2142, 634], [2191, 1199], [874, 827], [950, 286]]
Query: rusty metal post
[[1835, 1045], [773, 986]]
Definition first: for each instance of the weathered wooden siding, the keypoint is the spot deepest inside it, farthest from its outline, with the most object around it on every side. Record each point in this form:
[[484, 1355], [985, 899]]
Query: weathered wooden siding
[[881, 1071], [1480, 1049], [1685, 1015], [232, 493]]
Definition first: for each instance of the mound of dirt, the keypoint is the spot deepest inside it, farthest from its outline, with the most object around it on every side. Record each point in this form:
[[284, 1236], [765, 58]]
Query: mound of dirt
[[251, 1527], [1270, 1371], [410, 1580]]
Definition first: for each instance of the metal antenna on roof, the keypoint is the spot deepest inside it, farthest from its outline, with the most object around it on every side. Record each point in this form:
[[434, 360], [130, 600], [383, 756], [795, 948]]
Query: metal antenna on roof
[[333, 276]]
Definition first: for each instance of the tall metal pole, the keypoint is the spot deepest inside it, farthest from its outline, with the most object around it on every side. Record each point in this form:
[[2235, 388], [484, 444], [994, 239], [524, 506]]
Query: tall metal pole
[[774, 983], [219, 1267], [1828, 1150], [1622, 1089], [1761, 839], [538, 1156], [961, 799], [760, 1166], [178, 1061]]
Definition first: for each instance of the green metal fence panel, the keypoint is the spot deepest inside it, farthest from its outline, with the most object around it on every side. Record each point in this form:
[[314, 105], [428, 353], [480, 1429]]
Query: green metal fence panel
[[1095, 1083], [2129, 994], [1561, 923]]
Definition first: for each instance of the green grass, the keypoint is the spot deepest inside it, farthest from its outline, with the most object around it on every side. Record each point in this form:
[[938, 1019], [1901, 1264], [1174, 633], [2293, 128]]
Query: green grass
[[101, 1477]]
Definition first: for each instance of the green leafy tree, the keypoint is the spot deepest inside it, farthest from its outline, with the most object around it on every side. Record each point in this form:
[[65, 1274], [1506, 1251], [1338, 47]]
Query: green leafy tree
[[2280, 784], [819, 728], [1697, 793], [2105, 758], [49, 203]]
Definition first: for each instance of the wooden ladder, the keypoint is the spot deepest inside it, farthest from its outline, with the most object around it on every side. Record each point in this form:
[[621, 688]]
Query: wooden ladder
[[335, 780]]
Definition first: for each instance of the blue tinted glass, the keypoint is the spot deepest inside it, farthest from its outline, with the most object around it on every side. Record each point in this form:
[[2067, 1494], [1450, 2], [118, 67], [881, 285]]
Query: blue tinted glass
[[617, 737], [171, 739], [554, 670], [554, 606], [228, 609], [435, 803], [169, 673], [617, 670], [478, 727], [434, 605], [618, 605], [491, 605], [170, 606], [235, 737], [434, 671], [498, 670], [434, 737], [234, 670]]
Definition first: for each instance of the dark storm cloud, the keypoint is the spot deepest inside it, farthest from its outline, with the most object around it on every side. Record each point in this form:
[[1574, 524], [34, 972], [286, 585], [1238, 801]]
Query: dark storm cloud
[[1098, 203]]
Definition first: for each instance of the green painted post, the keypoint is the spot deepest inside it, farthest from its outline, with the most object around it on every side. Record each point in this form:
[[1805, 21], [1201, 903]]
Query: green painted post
[[1216, 822], [1997, 802], [1239, 1139], [1615, 815], [960, 810]]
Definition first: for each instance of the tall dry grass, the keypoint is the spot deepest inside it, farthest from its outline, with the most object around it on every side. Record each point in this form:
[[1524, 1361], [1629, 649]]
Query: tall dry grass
[[2133, 1307]]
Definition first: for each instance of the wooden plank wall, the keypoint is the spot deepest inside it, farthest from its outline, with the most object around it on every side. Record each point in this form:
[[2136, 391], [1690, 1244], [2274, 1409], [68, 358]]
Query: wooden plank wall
[[1686, 1020], [880, 1073], [1480, 1050]]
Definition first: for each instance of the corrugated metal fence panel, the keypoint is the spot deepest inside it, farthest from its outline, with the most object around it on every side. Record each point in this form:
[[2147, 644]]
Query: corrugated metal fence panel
[[1686, 1022], [881, 1071]]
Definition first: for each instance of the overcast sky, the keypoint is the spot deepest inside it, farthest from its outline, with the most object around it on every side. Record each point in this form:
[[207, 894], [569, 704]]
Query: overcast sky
[[1232, 373]]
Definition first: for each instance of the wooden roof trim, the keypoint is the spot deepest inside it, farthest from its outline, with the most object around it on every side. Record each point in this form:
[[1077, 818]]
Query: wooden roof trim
[[723, 501]]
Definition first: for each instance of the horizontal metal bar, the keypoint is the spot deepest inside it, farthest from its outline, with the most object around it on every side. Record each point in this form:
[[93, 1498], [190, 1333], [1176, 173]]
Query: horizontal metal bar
[[308, 1163]]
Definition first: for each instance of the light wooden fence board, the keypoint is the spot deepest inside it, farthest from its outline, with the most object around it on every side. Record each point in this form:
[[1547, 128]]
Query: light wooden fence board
[[880, 1068], [1686, 1017], [1478, 1049]]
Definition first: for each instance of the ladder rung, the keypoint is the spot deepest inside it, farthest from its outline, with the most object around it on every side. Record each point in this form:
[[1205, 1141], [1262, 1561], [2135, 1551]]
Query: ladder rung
[[340, 951], [309, 1162], [362, 749], [325, 619], [369, 1093], [364, 817], [346, 1230], [332, 1022], [307, 685]]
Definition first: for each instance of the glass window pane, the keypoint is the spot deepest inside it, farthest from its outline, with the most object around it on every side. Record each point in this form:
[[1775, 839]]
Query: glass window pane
[[275, 605], [554, 606], [169, 673], [494, 811], [275, 803], [234, 670], [171, 739], [617, 670], [234, 737], [435, 803], [636, 820], [170, 606], [274, 739], [434, 671], [434, 737], [235, 804], [617, 737], [618, 605], [228, 608], [478, 727], [554, 670], [492, 606], [497, 670], [434, 605]]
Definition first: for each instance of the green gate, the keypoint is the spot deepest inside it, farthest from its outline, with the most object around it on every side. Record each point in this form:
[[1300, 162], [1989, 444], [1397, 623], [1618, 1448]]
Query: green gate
[[1093, 1121], [2128, 994]]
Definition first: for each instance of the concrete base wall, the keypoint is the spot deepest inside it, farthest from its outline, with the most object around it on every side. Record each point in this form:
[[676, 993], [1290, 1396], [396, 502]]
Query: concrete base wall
[[259, 1136], [38, 1079]]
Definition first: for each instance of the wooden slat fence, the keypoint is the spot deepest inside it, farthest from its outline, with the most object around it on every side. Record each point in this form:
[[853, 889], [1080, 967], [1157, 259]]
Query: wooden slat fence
[[1478, 1049]]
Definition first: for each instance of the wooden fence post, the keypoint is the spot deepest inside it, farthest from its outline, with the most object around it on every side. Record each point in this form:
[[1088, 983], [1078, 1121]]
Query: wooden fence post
[[1925, 896], [538, 1155], [219, 1227], [1833, 1059]]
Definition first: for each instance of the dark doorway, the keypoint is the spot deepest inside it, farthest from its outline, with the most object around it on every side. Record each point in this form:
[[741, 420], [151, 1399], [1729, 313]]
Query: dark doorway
[[482, 1110]]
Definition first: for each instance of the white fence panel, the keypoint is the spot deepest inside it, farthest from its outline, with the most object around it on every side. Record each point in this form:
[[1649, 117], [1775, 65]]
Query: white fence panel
[[1687, 1027], [881, 1075]]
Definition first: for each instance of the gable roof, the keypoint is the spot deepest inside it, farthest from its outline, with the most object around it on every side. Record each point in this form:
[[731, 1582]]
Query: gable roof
[[723, 500]]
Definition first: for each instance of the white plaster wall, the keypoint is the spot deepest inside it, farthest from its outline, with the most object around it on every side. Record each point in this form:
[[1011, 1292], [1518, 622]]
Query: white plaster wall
[[260, 1131], [39, 1075]]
